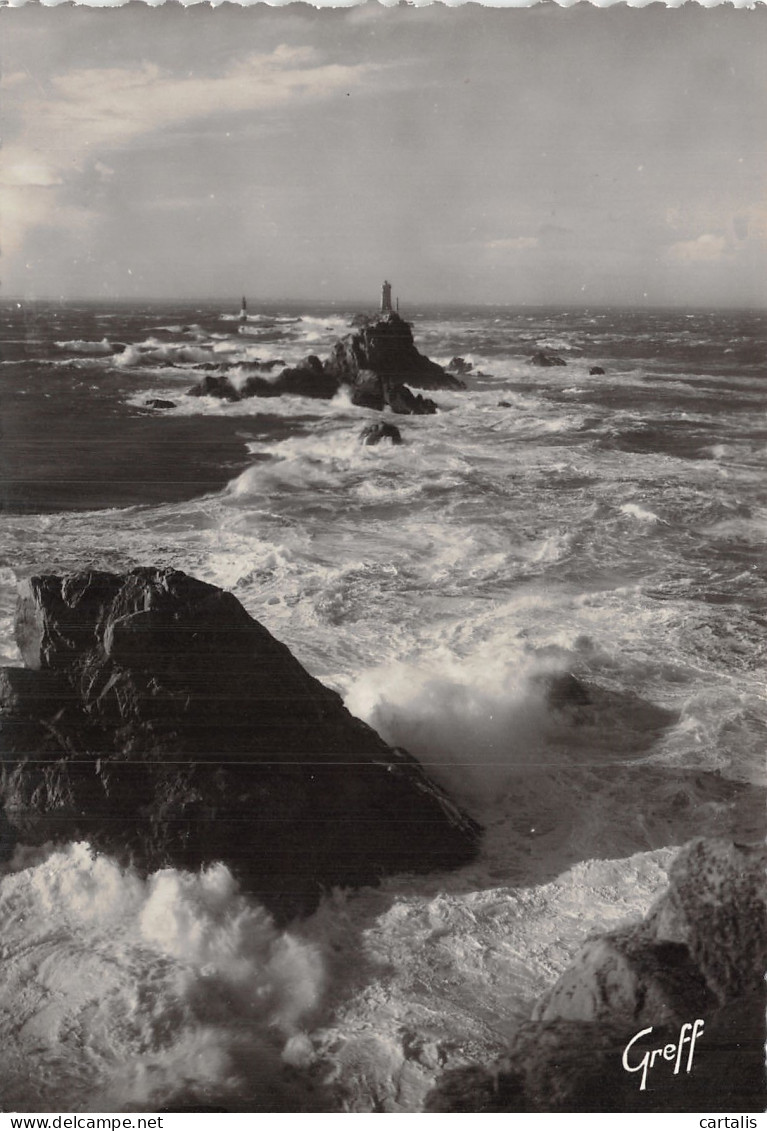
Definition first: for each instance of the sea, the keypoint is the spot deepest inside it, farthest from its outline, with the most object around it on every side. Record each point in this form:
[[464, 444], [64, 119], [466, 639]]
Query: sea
[[546, 523]]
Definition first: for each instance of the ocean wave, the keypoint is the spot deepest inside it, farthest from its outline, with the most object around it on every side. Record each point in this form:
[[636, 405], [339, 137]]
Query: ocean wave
[[634, 510], [137, 990], [85, 347]]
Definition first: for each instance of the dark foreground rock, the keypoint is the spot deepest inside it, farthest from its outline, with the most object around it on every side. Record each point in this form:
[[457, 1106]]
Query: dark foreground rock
[[698, 958], [596, 371], [386, 347], [156, 719], [546, 360], [374, 433]]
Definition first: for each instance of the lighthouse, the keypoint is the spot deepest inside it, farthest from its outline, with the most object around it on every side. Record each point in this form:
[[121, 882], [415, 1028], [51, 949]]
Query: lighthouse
[[386, 298]]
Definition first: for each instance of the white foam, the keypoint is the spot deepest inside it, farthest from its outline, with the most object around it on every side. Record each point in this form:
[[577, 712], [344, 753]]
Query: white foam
[[142, 985], [472, 722], [633, 510], [86, 347]]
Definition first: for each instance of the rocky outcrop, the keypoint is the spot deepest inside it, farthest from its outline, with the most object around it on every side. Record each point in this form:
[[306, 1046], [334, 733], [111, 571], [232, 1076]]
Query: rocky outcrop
[[378, 362], [156, 719], [596, 371], [374, 433], [460, 365], [626, 975], [367, 390], [215, 386], [406, 403], [546, 360], [700, 955], [371, 391], [716, 907], [308, 379], [386, 348]]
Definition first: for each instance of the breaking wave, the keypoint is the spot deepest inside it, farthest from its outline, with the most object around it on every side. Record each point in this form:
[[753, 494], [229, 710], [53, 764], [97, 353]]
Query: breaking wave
[[137, 991]]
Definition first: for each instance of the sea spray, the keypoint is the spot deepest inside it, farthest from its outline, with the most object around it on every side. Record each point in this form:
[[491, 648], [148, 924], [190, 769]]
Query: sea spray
[[474, 723], [139, 989]]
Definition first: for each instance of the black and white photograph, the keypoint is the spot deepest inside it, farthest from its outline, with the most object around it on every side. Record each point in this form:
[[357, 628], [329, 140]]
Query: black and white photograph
[[383, 572]]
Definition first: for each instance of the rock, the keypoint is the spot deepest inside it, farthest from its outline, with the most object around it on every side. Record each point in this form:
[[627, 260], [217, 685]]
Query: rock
[[477, 1090], [460, 365], [305, 380], [308, 379], [257, 386], [367, 390], [563, 689], [211, 386], [571, 1066], [546, 360], [386, 348], [556, 1066], [596, 370], [160, 722], [374, 433], [158, 402], [405, 403], [504, 404], [623, 976], [716, 906], [698, 954]]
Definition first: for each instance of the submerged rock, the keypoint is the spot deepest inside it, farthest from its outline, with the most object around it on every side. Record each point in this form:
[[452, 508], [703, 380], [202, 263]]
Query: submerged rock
[[546, 360], [158, 402], [386, 348], [699, 955], [156, 719], [596, 371], [374, 433]]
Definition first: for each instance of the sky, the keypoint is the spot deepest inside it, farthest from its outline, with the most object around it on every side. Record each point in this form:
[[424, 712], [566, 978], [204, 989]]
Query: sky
[[471, 155]]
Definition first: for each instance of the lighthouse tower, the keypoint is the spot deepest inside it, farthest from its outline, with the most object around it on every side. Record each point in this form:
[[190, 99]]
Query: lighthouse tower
[[386, 298]]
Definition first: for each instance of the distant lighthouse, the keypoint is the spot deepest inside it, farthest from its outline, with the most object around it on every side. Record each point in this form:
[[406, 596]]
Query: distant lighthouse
[[386, 298], [244, 310]]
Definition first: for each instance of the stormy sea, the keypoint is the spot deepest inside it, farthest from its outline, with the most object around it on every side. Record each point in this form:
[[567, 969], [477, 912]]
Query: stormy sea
[[604, 520]]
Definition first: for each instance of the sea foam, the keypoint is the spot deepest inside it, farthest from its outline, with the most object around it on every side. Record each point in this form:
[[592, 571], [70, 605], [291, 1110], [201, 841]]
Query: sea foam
[[139, 989]]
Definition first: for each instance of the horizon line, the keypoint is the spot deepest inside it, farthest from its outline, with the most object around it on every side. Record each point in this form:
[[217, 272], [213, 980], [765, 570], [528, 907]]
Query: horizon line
[[365, 305]]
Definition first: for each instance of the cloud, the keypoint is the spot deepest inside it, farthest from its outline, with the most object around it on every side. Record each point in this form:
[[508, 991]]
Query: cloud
[[707, 248], [53, 134]]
